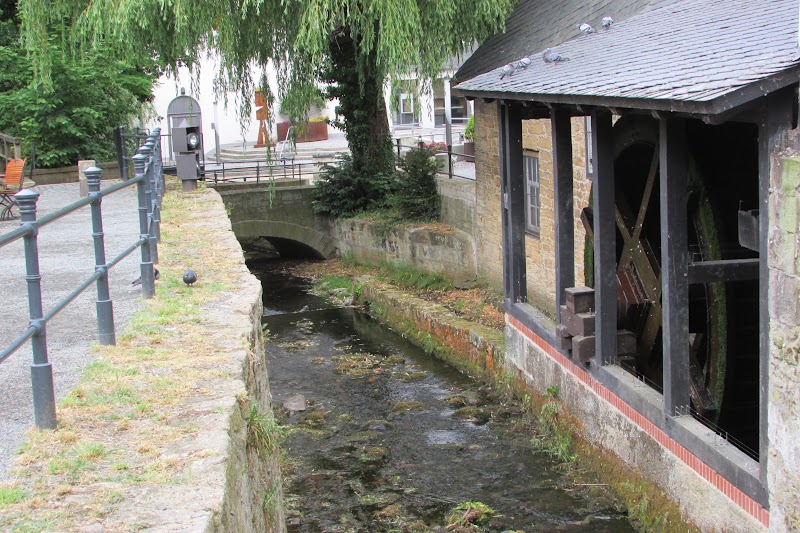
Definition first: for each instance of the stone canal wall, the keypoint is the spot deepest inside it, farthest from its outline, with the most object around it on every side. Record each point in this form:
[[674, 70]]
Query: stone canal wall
[[783, 466]]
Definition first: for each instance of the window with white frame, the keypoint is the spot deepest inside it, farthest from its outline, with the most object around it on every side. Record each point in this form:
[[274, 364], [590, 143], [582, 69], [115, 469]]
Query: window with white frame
[[532, 197]]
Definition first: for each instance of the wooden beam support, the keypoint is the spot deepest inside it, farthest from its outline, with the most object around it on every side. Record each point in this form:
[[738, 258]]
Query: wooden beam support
[[513, 179], [674, 264], [723, 270], [605, 238], [564, 217]]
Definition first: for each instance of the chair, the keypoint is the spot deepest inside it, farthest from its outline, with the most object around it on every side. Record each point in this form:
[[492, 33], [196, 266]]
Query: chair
[[13, 184]]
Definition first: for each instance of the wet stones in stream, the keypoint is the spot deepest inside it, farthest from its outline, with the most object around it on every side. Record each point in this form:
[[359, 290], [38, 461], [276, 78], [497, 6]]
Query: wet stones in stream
[[393, 440]]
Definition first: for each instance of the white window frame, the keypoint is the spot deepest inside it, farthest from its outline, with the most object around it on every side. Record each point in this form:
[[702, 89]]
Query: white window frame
[[533, 193]]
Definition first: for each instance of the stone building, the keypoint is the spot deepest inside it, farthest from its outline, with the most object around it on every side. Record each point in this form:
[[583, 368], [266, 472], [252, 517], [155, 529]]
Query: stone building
[[652, 166]]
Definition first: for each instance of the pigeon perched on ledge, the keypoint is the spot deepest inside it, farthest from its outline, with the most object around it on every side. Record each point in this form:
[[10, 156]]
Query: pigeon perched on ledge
[[189, 277], [607, 22], [586, 28], [551, 56]]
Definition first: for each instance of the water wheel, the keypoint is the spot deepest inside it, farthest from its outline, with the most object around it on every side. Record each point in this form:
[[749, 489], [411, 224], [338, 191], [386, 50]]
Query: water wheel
[[637, 215]]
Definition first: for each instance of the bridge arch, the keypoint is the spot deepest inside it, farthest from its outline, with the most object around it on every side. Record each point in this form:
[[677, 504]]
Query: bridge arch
[[286, 219]]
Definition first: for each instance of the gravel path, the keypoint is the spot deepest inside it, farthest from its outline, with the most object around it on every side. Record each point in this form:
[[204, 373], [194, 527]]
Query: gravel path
[[66, 258]]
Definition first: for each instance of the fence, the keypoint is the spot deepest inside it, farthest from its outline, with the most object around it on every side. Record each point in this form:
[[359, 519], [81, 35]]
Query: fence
[[149, 181], [441, 149]]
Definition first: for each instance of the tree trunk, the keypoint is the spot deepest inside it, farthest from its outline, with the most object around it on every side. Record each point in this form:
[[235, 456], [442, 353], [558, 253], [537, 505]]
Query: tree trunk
[[357, 81]]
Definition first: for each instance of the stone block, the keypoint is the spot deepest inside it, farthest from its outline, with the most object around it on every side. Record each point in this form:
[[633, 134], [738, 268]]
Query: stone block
[[583, 347], [579, 299], [577, 324], [790, 175], [82, 183], [564, 344], [787, 214]]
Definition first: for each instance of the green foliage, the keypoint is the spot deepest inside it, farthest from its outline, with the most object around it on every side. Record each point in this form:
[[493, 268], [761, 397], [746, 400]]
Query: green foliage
[[467, 514], [417, 197], [554, 436], [469, 131], [263, 432], [353, 44], [73, 120], [344, 190]]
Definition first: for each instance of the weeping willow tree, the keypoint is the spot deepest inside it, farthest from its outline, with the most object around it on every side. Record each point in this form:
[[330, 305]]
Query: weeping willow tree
[[349, 46]]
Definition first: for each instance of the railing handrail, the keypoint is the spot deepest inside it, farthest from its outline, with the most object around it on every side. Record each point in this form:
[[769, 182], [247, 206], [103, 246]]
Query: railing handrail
[[149, 181]]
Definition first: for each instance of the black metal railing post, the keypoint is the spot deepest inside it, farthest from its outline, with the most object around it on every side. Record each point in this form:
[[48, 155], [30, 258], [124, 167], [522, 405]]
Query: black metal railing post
[[146, 264], [398, 146], [44, 400], [450, 161], [105, 307]]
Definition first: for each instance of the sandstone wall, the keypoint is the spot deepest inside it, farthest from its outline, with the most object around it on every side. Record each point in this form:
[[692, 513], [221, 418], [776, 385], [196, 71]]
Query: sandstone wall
[[784, 357], [539, 250]]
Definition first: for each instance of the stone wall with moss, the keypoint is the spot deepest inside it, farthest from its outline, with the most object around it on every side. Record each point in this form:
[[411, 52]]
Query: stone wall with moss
[[784, 356]]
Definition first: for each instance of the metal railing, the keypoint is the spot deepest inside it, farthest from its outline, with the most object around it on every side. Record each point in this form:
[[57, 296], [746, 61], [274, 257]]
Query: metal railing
[[258, 171], [440, 148], [149, 181]]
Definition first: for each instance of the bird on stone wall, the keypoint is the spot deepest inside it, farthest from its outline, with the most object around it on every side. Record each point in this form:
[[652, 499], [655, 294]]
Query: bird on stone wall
[[189, 276], [586, 28], [607, 22]]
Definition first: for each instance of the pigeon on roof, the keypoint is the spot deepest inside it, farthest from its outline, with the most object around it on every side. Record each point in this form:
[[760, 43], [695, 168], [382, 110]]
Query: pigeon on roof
[[523, 63], [551, 56], [607, 22], [586, 28], [508, 70]]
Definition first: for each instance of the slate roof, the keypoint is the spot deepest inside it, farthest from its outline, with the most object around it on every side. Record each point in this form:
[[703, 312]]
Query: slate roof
[[686, 55], [534, 25]]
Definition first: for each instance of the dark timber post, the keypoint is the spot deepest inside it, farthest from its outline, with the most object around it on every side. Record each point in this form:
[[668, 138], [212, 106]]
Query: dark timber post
[[513, 203], [564, 217], [605, 239], [674, 264]]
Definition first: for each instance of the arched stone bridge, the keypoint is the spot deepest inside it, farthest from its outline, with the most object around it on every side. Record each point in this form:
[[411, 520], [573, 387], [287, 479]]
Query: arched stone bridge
[[294, 230], [288, 222]]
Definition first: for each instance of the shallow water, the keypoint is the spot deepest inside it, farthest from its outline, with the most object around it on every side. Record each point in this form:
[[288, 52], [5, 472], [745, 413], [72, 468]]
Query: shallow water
[[382, 444]]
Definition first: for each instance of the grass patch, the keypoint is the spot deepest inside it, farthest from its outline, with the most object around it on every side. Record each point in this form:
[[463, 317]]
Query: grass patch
[[554, 435], [263, 431], [410, 277], [11, 495]]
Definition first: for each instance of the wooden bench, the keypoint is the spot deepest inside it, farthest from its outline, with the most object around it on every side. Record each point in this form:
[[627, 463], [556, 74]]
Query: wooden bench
[[12, 185]]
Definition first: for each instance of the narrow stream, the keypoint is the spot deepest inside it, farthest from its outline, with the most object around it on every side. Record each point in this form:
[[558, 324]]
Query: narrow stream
[[383, 437]]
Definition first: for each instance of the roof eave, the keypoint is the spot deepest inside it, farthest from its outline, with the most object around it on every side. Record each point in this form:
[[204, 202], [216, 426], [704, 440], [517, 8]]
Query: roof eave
[[718, 105]]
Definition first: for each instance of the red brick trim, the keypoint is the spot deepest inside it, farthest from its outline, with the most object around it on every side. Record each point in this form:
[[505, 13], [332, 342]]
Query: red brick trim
[[723, 485]]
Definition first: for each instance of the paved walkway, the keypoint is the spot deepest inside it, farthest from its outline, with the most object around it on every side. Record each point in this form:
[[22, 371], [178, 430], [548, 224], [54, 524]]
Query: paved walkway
[[67, 258]]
